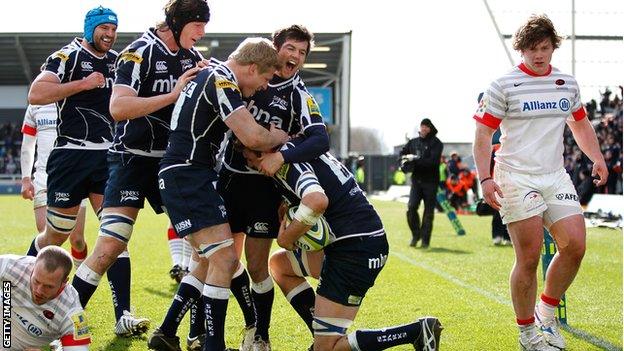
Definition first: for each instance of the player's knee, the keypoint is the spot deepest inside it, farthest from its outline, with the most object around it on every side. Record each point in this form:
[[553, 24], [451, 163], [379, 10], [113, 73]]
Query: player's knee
[[277, 261], [116, 226], [221, 255], [258, 271], [60, 223]]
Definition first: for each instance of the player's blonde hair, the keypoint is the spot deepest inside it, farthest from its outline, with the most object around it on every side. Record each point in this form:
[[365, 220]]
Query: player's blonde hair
[[259, 51], [534, 31]]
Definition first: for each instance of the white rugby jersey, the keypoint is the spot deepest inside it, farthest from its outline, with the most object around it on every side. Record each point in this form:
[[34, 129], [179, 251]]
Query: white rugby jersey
[[40, 122], [35, 326], [531, 111]]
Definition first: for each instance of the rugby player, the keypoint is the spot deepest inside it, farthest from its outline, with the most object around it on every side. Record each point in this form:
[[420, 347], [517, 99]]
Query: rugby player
[[150, 74], [288, 105], [209, 107], [79, 78], [532, 104], [352, 261], [39, 133], [44, 308]]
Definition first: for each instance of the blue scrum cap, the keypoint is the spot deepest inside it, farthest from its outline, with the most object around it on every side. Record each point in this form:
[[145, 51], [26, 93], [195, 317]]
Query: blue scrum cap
[[94, 18]]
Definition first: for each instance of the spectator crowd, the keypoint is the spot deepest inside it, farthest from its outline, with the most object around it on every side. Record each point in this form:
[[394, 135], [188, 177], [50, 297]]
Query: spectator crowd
[[10, 143]]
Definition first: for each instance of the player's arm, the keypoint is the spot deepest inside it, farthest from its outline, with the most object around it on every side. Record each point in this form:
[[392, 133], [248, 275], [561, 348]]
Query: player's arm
[[75, 334], [481, 151], [47, 87], [27, 159], [125, 104], [252, 134], [585, 137], [313, 204]]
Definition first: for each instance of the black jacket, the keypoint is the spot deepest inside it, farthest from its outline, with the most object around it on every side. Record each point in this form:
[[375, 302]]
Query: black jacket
[[426, 165]]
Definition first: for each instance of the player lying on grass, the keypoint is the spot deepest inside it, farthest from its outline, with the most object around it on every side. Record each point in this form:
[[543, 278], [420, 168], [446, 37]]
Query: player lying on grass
[[324, 187]]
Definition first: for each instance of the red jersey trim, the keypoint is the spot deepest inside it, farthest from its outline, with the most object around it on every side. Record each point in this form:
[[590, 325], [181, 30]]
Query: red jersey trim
[[488, 120], [68, 340], [28, 130], [579, 114], [528, 71]]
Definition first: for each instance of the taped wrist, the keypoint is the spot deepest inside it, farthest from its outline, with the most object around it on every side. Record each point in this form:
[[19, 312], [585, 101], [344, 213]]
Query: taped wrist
[[306, 215]]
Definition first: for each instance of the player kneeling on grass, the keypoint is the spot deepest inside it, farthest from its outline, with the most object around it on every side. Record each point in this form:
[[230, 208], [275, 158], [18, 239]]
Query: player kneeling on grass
[[44, 307], [353, 258]]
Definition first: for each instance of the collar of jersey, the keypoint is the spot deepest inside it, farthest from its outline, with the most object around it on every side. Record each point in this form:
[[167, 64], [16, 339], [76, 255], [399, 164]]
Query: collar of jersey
[[528, 71], [153, 33], [278, 81]]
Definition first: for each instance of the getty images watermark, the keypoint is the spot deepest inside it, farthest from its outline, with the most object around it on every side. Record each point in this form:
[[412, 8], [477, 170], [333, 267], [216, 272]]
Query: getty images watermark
[[6, 314]]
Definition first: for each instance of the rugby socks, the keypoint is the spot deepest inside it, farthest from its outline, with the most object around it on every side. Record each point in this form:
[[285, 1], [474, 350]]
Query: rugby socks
[[215, 302], [262, 295], [34, 248], [526, 325], [187, 252], [79, 256], [189, 291], [381, 339], [197, 319], [119, 280], [302, 299], [240, 290], [546, 307], [175, 246], [85, 282]]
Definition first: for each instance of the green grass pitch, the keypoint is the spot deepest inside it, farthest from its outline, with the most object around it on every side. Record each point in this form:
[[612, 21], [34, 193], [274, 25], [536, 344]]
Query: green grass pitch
[[461, 280]]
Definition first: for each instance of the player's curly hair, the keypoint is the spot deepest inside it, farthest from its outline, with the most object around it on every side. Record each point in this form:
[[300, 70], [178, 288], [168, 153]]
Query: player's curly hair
[[534, 31], [295, 32]]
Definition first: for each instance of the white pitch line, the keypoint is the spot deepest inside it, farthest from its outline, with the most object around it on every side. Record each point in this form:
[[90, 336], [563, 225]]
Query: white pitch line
[[594, 340]]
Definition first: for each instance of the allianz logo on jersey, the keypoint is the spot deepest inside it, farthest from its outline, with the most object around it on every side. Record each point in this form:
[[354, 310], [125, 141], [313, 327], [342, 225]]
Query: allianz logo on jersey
[[164, 85], [563, 105], [46, 122], [161, 67], [129, 195], [263, 116], [31, 328], [86, 66]]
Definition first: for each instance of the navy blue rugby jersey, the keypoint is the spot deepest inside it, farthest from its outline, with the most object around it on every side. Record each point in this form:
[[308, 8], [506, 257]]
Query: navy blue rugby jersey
[[149, 68], [84, 120], [198, 123], [349, 214], [287, 104]]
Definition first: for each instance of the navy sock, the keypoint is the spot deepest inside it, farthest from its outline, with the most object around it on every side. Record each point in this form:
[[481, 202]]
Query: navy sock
[[381, 339], [188, 292], [84, 289], [32, 250], [215, 302], [240, 290], [197, 319], [303, 303], [119, 280], [263, 303]]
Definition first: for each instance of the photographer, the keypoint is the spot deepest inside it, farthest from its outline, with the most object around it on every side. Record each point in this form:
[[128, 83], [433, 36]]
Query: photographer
[[421, 157]]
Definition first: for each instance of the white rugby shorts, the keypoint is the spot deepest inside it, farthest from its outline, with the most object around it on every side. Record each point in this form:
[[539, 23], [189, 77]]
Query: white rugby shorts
[[551, 196]]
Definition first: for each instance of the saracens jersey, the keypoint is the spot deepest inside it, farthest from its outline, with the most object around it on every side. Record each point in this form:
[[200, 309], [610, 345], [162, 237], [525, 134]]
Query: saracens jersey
[[40, 122], [287, 104], [84, 121], [148, 67], [349, 213], [198, 123], [531, 111], [35, 326]]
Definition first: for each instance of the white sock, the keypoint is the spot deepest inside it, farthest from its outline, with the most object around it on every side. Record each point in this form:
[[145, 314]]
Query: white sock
[[187, 251]]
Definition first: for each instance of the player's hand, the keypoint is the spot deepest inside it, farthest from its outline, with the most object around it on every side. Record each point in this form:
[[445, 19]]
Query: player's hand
[[270, 163], [278, 134], [184, 78], [280, 237], [28, 189], [203, 63], [490, 189], [94, 80], [600, 171]]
